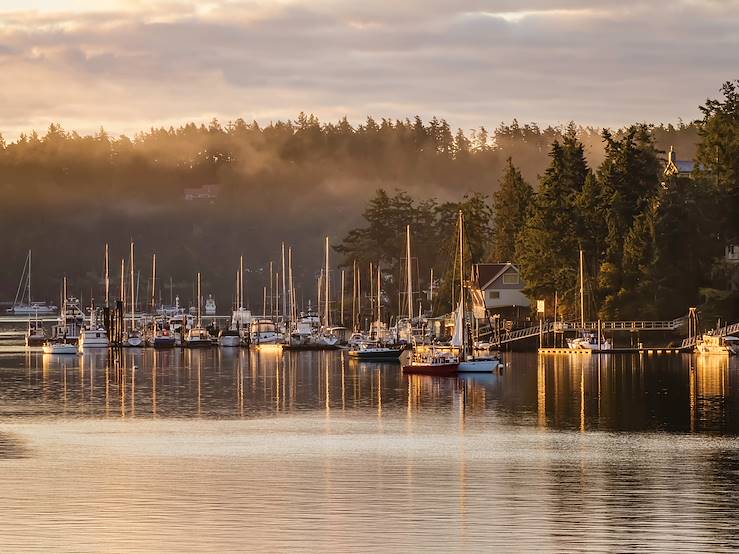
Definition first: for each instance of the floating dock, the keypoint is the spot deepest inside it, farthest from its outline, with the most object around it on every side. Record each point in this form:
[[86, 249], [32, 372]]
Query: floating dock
[[654, 350]]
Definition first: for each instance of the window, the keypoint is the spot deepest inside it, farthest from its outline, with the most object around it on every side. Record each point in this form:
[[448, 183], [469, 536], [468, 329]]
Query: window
[[494, 295], [510, 278]]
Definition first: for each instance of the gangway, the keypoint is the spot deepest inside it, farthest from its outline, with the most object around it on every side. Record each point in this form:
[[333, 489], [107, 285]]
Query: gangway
[[721, 332]]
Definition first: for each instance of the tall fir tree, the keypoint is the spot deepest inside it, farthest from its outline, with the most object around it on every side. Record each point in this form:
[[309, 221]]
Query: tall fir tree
[[511, 203]]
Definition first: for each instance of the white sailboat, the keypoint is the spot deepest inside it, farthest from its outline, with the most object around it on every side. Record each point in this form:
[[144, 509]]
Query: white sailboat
[[22, 304], [587, 340], [134, 337], [198, 336]]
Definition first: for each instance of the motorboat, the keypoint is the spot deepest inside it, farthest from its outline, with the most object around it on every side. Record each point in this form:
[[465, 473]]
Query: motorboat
[[229, 338], [264, 331], [59, 347], [374, 351], [93, 335], [71, 321], [197, 337], [133, 338], [717, 344], [163, 337], [35, 334]]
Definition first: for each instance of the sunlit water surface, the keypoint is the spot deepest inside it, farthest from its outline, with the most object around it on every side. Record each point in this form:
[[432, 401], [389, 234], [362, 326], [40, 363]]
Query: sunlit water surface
[[269, 451]]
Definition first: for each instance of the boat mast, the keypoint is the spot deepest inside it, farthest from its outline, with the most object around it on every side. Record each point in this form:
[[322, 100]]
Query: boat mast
[[379, 313], [284, 291], [29, 277], [133, 293], [327, 310], [107, 277], [354, 296], [241, 281], [153, 282], [582, 291], [271, 294], [408, 271], [64, 308], [199, 299], [290, 281], [123, 287], [461, 281], [342, 298]]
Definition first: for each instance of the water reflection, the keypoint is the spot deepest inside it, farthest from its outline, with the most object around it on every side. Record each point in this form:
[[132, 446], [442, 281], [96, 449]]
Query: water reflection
[[578, 392]]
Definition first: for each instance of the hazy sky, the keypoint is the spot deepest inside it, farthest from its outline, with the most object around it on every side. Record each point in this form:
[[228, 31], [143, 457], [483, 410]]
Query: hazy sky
[[130, 64]]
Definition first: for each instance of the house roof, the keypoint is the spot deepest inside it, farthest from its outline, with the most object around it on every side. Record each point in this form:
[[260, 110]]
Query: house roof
[[487, 273]]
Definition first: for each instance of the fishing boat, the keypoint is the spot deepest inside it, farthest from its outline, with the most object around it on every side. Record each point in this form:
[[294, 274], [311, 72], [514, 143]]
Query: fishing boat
[[71, 320], [717, 344], [93, 335], [22, 304]]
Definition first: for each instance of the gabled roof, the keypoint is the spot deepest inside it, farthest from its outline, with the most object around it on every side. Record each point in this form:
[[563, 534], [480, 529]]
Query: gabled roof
[[488, 273]]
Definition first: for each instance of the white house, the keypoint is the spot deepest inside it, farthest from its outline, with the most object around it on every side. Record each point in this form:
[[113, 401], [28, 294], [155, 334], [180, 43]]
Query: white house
[[501, 286]]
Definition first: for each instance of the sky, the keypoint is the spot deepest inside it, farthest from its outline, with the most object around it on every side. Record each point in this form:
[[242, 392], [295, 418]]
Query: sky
[[128, 65]]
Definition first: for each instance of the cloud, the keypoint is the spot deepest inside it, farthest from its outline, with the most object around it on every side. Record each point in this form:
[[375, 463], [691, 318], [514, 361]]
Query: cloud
[[128, 65]]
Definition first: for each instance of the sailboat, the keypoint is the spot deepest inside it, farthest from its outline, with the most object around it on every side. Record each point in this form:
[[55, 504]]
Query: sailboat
[[427, 359], [586, 340], [470, 361], [198, 336], [61, 344], [372, 349], [231, 337], [133, 337], [22, 304]]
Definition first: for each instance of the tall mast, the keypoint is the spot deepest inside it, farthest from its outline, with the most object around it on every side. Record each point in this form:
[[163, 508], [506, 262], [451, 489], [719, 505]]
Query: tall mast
[[64, 307], [153, 282], [582, 290], [354, 296], [290, 281], [107, 277], [461, 280], [343, 277], [29, 277], [371, 293], [271, 294], [241, 281], [327, 310], [284, 291], [379, 313], [359, 299], [133, 291], [409, 284], [199, 299], [431, 291]]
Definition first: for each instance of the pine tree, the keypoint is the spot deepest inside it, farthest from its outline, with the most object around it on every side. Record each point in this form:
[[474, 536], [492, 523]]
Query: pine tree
[[511, 205]]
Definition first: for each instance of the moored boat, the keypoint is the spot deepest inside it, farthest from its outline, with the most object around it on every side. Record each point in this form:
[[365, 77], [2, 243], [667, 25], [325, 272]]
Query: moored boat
[[432, 360], [717, 344], [35, 334]]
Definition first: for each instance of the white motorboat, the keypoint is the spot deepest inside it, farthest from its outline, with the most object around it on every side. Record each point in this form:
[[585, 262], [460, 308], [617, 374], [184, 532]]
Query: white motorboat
[[71, 320], [55, 347], [198, 337], [229, 338], [717, 344], [264, 331], [133, 338]]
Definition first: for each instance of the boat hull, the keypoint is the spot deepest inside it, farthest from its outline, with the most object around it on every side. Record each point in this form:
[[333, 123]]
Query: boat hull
[[441, 370], [479, 366], [66, 349], [229, 341], [375, 355], [163, 342]]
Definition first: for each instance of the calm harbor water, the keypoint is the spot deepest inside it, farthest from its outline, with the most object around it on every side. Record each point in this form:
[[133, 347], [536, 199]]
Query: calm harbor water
[[268, 451]]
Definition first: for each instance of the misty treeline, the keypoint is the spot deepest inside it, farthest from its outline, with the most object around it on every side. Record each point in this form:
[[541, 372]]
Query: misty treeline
[[653, 244], [64, 194]]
